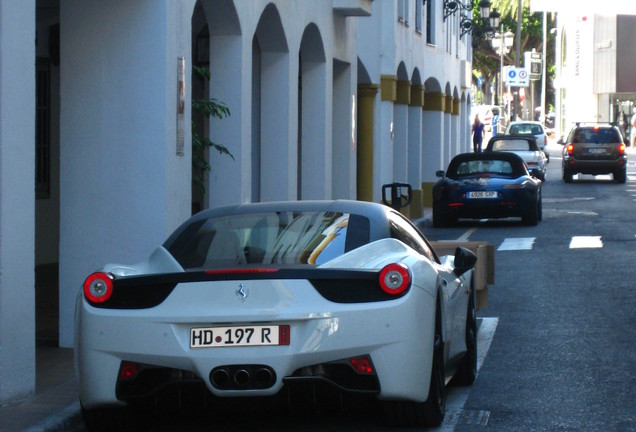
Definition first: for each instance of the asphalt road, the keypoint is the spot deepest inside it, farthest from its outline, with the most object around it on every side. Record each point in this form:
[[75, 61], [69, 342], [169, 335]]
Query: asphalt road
[[557, 340], [563, 356]]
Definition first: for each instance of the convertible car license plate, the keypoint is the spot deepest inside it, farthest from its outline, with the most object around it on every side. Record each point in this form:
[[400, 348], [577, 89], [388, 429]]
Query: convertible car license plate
[[482, 194], [215, 337]]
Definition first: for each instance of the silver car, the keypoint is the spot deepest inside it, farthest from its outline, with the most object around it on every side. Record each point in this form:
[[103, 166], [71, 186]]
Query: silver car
[[534, 128], [524, 146]]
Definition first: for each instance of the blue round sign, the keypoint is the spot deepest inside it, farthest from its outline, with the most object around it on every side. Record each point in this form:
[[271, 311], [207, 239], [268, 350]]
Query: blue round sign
[[512, 73]]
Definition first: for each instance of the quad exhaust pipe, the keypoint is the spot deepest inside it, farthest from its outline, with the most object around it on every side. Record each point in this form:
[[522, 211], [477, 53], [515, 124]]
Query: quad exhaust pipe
[[242, 377]]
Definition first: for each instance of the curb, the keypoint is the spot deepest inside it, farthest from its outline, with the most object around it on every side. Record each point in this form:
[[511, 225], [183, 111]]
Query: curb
[[67, 420]]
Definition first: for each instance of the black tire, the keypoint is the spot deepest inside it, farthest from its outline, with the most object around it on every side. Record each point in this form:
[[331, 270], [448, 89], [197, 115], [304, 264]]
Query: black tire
[[113, 419], [431, 412], [467, 370], [567, 175], [439, 217], [620, 176], [532, 216]]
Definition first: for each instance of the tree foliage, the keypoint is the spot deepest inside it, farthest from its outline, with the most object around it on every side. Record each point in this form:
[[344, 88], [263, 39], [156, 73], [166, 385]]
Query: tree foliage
[[208, 108], [486, 61]]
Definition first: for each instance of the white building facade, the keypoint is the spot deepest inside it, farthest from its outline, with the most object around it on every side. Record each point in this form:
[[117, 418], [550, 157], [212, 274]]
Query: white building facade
[[595, 61], [327, 98]]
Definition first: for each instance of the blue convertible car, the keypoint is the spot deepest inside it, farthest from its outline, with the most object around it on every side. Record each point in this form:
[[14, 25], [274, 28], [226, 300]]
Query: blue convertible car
[[486, 185]]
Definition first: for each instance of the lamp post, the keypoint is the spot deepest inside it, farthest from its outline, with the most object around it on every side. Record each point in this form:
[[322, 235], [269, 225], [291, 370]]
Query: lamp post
[[501, 43]]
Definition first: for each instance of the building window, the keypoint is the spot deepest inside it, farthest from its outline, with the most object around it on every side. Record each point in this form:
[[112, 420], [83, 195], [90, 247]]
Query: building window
[[430, 23], [403, 11], [418, 16], [42, 130]]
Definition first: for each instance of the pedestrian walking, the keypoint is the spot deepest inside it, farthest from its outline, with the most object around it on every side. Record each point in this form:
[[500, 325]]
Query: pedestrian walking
[[479, 133]]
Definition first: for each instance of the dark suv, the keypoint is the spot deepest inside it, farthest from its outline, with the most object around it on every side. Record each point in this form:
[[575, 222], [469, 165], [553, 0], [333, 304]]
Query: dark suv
[[594, 149]]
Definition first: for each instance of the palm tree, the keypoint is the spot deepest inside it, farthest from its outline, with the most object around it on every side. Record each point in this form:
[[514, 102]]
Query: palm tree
[[486, 61]]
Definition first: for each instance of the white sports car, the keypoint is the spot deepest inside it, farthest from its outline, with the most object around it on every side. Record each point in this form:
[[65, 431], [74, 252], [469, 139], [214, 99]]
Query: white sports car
[[279, 299]]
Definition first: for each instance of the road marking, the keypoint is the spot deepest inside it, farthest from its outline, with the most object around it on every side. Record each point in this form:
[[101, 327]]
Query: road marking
[[520, 243], [466, 235], [562, 200], [457, 396], [586, 242]]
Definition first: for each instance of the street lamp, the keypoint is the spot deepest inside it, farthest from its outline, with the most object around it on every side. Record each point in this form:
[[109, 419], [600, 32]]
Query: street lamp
[[501, 43]]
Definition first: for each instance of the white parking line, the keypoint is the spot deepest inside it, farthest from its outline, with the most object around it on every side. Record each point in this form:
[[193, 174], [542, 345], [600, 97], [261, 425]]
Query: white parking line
[[586, 242], [457, 396], [520, 243]]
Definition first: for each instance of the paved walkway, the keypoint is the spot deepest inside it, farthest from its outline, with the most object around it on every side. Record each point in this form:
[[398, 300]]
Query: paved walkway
[[54, 406]]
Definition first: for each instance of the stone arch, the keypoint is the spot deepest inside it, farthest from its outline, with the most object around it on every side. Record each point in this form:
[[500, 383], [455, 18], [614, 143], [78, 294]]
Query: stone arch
[[314, 155], [217, 46], [270, 153]]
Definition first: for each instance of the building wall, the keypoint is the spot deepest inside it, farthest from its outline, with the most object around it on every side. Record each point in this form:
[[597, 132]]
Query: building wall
[[124, 183], [123, 186], [17, 200], [396, 50]]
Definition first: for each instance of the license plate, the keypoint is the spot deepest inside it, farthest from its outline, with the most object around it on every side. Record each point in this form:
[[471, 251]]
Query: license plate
[[216, 337], [482, 194], [597, 150]]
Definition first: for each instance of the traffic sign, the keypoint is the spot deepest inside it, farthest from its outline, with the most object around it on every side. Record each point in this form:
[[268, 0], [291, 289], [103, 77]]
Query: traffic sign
[[533, 61], [517, 77]]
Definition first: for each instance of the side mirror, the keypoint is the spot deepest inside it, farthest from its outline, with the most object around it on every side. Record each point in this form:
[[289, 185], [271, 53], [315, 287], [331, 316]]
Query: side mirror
[[439, 173], [561, 140], [465, 260], [535, 173]]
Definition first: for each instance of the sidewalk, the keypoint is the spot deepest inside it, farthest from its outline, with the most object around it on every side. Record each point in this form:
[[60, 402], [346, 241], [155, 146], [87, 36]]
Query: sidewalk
[[55, 405]]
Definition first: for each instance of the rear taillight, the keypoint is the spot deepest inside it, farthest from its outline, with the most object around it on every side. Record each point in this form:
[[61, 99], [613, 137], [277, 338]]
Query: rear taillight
[[395, 279], [570, 149], [98, 287], [621, 149], [362, 365], [128, 371]]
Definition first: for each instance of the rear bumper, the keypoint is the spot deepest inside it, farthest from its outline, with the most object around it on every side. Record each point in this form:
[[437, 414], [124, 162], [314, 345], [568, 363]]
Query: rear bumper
[[593, 166]]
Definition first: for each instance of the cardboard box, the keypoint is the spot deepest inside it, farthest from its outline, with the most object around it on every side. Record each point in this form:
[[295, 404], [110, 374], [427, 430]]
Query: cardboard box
[[484, 269]]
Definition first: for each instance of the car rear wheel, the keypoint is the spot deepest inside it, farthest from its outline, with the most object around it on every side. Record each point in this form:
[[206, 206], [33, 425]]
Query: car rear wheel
[[620, 176], [567, 176], [532, 216], [113, 419], [431, 412], [467, 371], [439, 217]]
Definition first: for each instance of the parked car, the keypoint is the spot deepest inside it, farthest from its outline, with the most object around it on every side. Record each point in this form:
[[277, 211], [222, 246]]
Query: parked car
[[277, 300], [524, 146], [533, 128], [597, 148], [486, 185]]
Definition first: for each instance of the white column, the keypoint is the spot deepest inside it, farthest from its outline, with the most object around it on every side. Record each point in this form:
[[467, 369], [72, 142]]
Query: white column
[[17, 199], [123, 185]]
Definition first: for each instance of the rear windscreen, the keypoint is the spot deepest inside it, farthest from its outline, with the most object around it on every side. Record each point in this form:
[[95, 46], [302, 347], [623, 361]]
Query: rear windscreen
[[596, 136], [269, 238]]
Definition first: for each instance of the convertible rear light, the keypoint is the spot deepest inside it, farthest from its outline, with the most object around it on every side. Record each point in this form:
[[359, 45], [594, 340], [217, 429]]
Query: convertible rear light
[[514, 186], [362, 365], [98, 287], [128, 371], [395, 279]]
